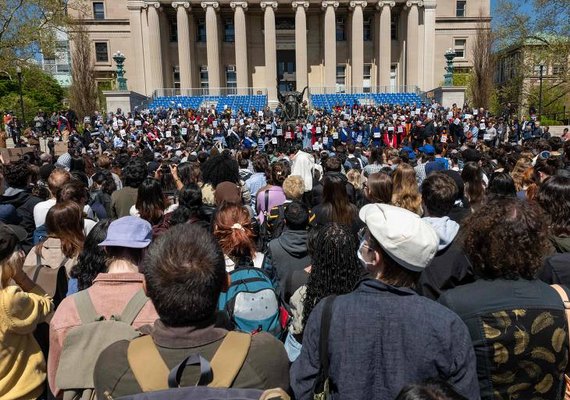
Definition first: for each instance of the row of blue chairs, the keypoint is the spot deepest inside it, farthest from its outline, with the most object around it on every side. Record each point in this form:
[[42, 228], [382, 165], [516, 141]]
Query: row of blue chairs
[[234, 102], [328, 101]]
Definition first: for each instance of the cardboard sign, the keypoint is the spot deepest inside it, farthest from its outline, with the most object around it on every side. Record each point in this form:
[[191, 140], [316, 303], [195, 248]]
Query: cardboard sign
[[15, 154], [335, 135], [274, 140]]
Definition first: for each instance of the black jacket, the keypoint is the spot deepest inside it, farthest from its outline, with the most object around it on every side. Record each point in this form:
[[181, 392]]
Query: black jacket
[[24, 202]]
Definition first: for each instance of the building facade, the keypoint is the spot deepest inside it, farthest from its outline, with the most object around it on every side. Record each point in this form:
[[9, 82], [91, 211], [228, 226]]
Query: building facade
[[58, 64], [329, 46]]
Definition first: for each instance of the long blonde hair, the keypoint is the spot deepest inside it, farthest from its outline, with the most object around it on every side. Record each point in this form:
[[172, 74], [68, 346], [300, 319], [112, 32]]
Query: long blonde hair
[[405, 192]]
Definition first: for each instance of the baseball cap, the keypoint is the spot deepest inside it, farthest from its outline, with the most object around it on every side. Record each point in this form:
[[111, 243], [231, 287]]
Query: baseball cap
[[131, 232], [410, 241], [10, 237], [427, 149]]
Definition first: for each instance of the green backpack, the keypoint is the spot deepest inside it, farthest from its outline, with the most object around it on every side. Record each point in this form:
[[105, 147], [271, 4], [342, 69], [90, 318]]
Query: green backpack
[[83, 344]]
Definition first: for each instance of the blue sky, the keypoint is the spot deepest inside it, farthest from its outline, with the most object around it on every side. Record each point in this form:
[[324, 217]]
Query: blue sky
[[526, 5]]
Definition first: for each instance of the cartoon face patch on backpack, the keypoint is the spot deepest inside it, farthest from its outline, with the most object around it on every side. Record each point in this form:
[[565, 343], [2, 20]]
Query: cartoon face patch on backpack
[[252, 304]]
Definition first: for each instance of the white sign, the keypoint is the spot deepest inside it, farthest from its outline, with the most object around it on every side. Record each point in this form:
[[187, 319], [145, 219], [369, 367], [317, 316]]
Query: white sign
[[430, 115], [482, 126], [400, 129], [184, 131], [279, 132], [325, 140], [173, 121], [318, 129], [377, 134], [168, 134], [274, 140], [260, 113], [196, 127], [335, 135], [138, 122], [475, 111], [359, 138]]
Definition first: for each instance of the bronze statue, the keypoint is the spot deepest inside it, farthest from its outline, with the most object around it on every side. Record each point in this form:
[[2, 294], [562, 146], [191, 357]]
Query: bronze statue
[[291, 103]]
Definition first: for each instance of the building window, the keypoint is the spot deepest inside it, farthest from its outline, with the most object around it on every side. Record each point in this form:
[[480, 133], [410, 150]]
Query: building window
[[204, 76], [340, 32], [229, 33], [459, 47], [98, 10], [173, 31], [340, 77], [394, 27], [201, 30], [558, 69], [460, 8], [367, 83], [367, 29], [101, 52], [231, 79], [176, 77]]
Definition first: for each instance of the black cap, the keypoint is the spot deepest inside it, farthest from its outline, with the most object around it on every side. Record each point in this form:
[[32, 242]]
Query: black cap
[[10, 237]]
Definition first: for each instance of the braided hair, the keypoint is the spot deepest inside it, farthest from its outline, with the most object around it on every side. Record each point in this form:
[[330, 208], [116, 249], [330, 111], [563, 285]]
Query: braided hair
[[335, 266]]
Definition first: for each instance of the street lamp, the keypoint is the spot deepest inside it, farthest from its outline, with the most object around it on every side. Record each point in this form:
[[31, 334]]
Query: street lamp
[[121, 80], [449, 56], [541, 66], [19, 72]]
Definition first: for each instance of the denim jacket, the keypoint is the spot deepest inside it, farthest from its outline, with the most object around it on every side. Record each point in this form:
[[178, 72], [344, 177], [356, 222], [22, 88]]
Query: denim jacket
[[381, 339]]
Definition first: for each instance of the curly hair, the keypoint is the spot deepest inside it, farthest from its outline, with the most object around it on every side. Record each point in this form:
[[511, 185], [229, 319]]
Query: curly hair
[[507, 223], [220, 168], [17, 174], [92, 260], [232, 227], [554, 198], [335, 267]]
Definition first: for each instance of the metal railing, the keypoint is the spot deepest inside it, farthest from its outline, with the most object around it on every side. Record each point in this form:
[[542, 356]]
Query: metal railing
[[341, 89], [204, 92]]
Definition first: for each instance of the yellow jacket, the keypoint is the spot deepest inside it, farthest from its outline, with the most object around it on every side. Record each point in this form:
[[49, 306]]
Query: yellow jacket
[[22, 364]]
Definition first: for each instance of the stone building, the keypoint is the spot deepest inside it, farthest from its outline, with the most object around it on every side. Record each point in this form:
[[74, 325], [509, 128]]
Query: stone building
[[330, 46]]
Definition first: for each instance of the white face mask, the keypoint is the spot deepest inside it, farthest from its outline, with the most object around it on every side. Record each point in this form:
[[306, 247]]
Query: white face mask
[[367, 265]]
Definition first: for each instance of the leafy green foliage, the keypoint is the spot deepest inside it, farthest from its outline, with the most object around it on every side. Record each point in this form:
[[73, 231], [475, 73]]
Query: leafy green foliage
[[40, 92]]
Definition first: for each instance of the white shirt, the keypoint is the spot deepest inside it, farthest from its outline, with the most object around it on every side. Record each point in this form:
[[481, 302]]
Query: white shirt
[[41, 209]]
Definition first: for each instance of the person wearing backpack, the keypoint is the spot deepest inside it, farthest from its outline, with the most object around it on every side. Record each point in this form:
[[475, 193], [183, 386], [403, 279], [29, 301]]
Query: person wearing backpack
[[185, 274], [288, 252], [22, 307], [108, 296]]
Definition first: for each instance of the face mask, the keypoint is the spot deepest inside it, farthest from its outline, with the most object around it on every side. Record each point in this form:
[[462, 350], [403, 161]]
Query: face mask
[[367, 265]]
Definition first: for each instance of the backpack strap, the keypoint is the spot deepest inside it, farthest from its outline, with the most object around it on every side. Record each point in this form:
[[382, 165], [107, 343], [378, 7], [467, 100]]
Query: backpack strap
[[148, 366], [85, 307], [266, 194], [133, 307], [229, 359]]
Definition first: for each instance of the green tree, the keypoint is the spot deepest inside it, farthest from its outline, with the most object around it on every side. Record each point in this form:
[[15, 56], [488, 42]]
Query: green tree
[[40, 92], [27, 26]]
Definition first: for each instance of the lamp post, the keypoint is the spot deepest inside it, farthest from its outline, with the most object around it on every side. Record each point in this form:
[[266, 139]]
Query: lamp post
[[19, 72], [541, 66], [121, 80], [449, 56]]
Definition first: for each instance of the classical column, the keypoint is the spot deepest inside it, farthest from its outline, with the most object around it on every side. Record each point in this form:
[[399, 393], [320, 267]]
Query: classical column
[[330, 44], [302, 69], [155, 47], [168, 76], [242, 72], [429, 44], [270, 49], [384, 42], [357, 38], [137, 79], [412, 59], [212, 46], [184, 45]]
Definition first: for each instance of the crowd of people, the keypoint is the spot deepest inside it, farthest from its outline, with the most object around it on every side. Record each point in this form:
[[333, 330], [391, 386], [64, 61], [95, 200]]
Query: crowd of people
[[364, 252]]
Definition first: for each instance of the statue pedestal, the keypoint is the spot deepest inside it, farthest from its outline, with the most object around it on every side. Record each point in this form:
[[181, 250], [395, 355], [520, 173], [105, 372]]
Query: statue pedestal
[[126, 100], [448, 95]]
